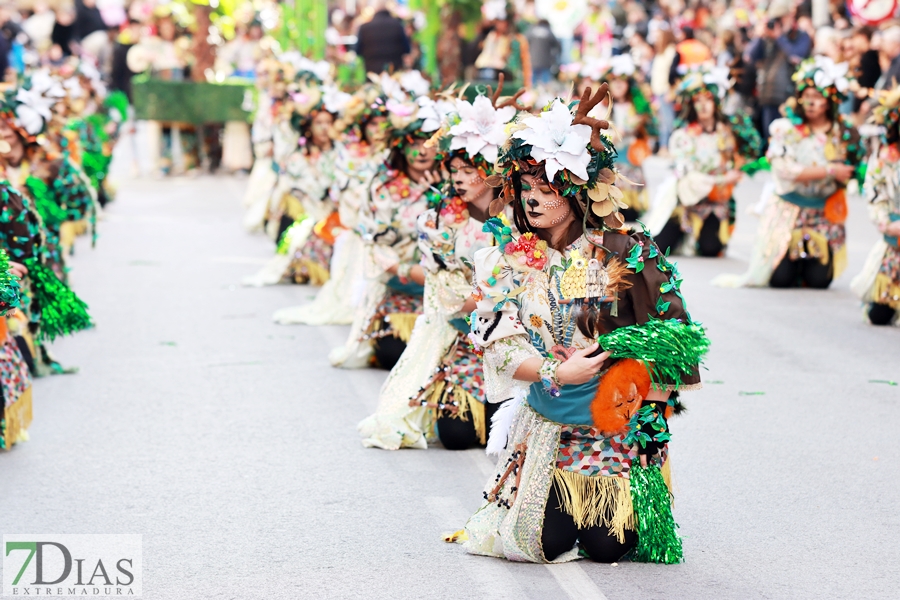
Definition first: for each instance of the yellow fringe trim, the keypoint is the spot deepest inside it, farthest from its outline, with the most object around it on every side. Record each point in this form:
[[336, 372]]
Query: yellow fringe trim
[[18, 417], [67, 235], [467, 404], [293, 207], [636, 199], [815, 247], [725, 229], [840, 261], [317, 274], [402, 324], [593, 501], [886, 291]]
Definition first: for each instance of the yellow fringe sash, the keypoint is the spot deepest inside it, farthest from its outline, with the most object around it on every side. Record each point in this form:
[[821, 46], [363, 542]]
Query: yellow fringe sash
[[18, 417], [600, 500], [402, 324], [316, 273], [886, 291]]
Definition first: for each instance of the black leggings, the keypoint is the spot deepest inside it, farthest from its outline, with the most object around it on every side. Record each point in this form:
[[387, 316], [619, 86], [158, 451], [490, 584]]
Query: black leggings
[[456, 434], [708, 243], [560, 533], [387, 351], [881, 314], [806, 271]]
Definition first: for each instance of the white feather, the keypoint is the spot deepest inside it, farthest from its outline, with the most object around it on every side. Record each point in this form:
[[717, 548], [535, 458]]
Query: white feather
[[502, 421]]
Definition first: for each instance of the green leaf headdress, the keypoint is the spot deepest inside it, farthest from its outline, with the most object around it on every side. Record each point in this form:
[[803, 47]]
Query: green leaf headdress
[[29, 107]]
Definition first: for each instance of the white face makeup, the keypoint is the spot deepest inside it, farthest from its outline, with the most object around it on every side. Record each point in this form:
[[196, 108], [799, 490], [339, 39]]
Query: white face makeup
[[320, 129], [814, 103], [543, 206], [466, 180]]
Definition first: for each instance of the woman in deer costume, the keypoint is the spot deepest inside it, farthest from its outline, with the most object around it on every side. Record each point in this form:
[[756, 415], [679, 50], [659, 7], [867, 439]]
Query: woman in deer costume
[[573, 416], [437, 385], [695, 211]]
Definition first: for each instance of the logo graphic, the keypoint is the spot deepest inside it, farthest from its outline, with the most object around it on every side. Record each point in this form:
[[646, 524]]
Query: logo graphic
[[72, 565]]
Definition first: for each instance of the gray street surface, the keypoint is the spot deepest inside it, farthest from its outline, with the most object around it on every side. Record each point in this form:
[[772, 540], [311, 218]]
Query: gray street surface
[[229, 443]]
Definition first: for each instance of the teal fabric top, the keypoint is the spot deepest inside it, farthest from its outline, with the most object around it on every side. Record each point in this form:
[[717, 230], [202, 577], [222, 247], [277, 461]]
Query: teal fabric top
[[892, 239], [572, 407], [804, 201], [410, 288]]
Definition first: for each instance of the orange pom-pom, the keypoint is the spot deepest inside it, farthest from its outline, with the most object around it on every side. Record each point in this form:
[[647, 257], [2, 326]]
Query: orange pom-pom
[[619, 395], [836, 207]]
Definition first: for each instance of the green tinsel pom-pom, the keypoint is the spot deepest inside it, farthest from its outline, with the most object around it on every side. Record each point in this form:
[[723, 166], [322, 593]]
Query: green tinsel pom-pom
[[52, 214], [675, 348], [657, 540], [61, 311], [10, 292]]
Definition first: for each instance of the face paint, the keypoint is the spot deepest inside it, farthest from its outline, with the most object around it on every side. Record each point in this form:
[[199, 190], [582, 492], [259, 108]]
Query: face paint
[[544, 207]]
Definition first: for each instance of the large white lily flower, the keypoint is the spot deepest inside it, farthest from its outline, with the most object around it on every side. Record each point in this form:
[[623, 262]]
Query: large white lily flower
[[557, 142], [334, 99], [719, 77], [432, 113], [392, 88], [622, 65], [829, 73], [73, 87], [481, 128], [414, 83], [44, 84]]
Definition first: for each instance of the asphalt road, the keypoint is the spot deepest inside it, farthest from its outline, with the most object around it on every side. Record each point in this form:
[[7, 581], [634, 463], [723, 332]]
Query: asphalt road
[[229, 443]]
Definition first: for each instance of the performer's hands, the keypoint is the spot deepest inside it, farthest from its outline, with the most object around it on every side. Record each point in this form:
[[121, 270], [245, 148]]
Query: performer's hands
[[841, 172], [893, 229], [579, 368], [18, 269], [431, 177], [732, 177]]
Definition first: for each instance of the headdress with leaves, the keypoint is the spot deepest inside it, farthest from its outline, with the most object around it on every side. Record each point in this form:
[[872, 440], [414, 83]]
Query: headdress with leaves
[[577, 156], [887, 114], [28, 108], [826, 76]]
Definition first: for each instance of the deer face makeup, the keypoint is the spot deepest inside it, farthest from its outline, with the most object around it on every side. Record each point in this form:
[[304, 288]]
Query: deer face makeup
[[543, 206]]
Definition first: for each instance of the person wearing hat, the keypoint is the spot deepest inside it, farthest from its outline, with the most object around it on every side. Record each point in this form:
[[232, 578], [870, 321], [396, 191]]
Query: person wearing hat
[[814, 153], [878, 285], [437, 387], [566, 433]]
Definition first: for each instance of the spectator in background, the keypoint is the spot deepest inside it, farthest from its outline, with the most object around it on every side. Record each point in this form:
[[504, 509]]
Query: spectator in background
[[689, 51], [545, 50], [63, 34], [382, 42], [661, 86], [87, 19], [864, 66], [505, 50], [777, 50], [889, 59]]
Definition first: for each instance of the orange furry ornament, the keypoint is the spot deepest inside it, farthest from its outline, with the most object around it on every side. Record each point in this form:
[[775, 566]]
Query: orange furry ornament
[[619, 395]]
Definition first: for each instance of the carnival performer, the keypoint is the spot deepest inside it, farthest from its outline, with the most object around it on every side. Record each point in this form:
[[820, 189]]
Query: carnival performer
[[308, 180], [634, 126], [543, 297], [878, 285], [366, 126], [49, 309], [15, 377], [814, 153], [401, 190], [273, 140], [695, 211], [438, 384]]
